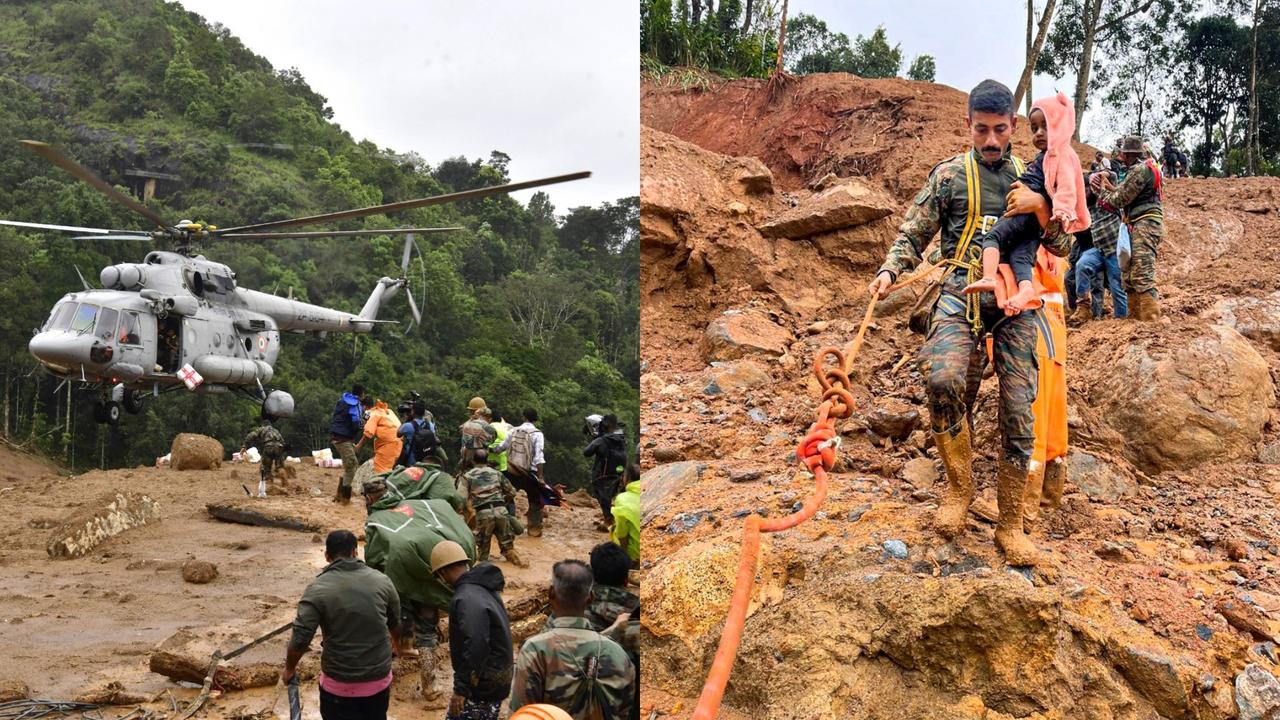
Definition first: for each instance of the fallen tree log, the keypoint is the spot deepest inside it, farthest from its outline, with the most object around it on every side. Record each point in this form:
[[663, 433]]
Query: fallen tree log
[[265, 514], [186, 656]]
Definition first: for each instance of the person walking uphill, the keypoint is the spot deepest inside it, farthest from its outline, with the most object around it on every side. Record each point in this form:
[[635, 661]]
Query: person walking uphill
[[358, 612], [270, 444], [383, 426], [1140, 197], [345, 429], [479, 634], [963, 197], [489, 491], [609, 449]]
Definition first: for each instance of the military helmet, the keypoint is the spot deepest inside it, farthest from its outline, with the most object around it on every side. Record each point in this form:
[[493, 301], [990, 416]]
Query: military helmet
[[1132, 144], [446, 553], [540, 712], [476, 403]]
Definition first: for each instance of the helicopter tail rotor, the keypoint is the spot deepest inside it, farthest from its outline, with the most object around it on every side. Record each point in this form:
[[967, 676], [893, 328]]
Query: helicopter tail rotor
[[411, 246]]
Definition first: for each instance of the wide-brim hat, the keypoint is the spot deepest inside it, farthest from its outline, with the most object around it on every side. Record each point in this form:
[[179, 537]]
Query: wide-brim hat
[[1132, 144]]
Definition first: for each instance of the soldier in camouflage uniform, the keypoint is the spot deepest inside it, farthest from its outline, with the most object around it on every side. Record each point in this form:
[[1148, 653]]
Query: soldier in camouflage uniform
[[952, 356], [488, 491], [270, 444], [571, 665], [477, 433], [1140, 197]]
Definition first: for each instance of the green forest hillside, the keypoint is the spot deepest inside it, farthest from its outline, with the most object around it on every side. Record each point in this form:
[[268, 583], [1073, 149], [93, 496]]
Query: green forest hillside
[[529, 306]]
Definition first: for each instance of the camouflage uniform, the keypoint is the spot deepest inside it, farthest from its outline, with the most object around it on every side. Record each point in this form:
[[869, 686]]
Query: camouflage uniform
[[270, 444], [1139, 196], [609, 603], [488, 489], [577, 669], [952, 354], [476, 434]]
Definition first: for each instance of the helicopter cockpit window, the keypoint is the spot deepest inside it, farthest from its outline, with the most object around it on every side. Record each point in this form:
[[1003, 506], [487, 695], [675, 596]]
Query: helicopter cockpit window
[[106, 327], [60, 318], [83, 321], [129, 329]]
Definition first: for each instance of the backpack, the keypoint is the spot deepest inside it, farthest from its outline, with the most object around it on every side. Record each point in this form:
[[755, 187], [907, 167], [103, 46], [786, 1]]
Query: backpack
[[424, 441], [520, 450]]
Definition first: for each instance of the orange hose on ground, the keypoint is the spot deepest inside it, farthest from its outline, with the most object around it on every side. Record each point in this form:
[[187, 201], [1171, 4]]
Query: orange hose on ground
[[817, 452]]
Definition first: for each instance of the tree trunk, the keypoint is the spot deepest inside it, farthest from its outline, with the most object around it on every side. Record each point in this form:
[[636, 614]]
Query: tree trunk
[[1092, 13], [782, 38], [697, 11], [7, 385], [746, 21], [1024, 82], [1031, 11], [1251, 144]]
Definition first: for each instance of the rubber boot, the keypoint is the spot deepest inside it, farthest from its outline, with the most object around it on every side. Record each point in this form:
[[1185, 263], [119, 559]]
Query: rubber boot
[[957, 456], [1031, 498], [1084, 311], [1055, 477], [513, 557], [262, 488], [1150, 306], [534, 526], [1011, 486]]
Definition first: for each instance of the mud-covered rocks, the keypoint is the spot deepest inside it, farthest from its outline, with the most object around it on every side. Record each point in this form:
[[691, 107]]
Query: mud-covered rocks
[[1257, 694], [1180, 395], [738, 333], [1099, 477], [192, 451], [11, 690], [895, 418], [1255, 318], [733, 376], [849, 204], [199, 572], [105, 518], [662, 483]]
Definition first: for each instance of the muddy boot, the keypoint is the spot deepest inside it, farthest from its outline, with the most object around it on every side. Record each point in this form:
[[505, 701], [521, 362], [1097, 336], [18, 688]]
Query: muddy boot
[[1055, 477], [1011, 485], [428, 660], [957, 457], [1148, 307], [406, 646], [1083, 313], [343, 495], [1031, 498], [513, 557]]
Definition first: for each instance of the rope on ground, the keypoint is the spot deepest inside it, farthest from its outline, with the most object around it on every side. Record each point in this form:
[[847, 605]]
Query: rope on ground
[[817, 452]]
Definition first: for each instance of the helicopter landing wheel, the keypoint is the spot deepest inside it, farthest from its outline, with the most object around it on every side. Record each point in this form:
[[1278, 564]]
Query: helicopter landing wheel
[[107, 413], [132, 401]]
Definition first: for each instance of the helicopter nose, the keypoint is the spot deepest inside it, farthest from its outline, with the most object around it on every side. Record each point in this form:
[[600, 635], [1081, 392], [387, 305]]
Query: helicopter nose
[[61, 349]]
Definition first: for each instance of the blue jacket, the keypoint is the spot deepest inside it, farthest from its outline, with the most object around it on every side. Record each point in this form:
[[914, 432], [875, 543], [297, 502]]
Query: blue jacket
[[348, 418]]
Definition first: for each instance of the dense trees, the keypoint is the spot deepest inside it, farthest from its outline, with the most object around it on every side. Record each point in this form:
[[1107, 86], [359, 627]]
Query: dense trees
[[145, 84]]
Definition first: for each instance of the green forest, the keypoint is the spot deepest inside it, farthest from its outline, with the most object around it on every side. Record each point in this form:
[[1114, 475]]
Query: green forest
[[1206, 71], [527, 306]]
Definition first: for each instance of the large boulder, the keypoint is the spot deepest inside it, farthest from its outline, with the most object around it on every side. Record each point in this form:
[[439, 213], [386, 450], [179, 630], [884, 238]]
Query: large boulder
[[191, 451], [660, 484], [738, 333], [846, 205], [1255, 318], [109, 516], [1181, 394]]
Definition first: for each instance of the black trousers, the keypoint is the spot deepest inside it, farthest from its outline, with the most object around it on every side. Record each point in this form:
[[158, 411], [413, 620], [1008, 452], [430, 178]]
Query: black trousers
[[373, 707]]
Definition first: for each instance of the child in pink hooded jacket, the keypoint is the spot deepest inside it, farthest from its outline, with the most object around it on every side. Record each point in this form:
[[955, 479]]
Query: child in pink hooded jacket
[[1056, 174]]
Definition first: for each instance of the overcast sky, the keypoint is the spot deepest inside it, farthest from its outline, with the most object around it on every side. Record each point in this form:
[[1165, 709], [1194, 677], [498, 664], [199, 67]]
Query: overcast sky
[[555, 85], [971, 41]]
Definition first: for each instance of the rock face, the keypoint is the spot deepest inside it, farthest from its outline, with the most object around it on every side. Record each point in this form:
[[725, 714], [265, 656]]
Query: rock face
[[191, 451], [1187, 395], [662, 483], [1098, 477], [847, 205], [737, 333], [199, 572], [1255, 318], [1257, 694], [108, 517], [739, 375]]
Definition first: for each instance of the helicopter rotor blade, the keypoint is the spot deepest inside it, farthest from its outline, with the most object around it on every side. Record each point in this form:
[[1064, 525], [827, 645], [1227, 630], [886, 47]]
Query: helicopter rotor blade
[[47, 152], [63, 228], [417, 314], [332, 233], [409, 204], [404, 261], [137, 238]]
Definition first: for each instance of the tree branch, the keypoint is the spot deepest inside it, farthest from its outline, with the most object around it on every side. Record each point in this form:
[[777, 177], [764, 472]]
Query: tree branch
[[1114, 22]]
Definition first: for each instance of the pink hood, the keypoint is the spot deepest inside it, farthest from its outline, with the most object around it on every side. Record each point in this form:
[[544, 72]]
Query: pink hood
[[1063, 177]]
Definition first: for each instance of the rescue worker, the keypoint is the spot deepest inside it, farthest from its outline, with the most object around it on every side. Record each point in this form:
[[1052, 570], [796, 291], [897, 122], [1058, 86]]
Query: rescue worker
[[1140, 196], [476, 433], [614, 610], [399, 537], [551, 666], [344, 429], [270, 444], [424, 481], [525, 466], [626, 515], [382, 426], [488, 492], [479, 634], [958, 324], [609, 449]]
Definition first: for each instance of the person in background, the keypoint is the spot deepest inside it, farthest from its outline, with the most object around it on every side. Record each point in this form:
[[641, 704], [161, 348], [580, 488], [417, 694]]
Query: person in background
[[345, 429]]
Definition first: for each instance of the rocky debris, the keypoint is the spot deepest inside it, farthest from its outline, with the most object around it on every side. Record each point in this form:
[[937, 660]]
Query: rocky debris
[[1237, 549], [751, 175], [1257, 694], [896, 419], [920, 472], [737, 333], [895, 549], [1255, 318], [685, 522], [1099, 478], [1244, 617], [364, 474], [1114, 551], [1270, 454], [199, 572], [191, 451], [849, 204], [667, 454], [662, 483], [744, 475], [111, 693], [1205, 394], [738, 375], [13, 690], [106, 517]]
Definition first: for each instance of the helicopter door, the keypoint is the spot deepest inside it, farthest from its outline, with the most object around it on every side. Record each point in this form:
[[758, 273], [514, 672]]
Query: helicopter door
[[169, 343], [135, 339]]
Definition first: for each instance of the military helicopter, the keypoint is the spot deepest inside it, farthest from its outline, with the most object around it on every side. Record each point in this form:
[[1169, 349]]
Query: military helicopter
[[178, 320]]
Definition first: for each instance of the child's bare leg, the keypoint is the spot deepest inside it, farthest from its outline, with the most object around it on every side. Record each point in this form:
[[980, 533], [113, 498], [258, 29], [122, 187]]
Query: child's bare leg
[[990, 267], [1024, 297]]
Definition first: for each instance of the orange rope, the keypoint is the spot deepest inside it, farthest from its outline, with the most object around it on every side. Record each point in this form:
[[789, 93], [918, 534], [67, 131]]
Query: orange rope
[[817, 451]]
